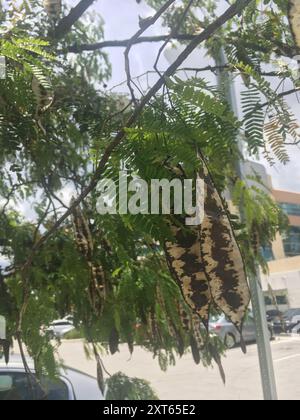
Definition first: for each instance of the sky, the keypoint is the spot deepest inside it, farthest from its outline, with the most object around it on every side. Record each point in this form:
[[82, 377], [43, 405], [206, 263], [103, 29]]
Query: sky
[[121, 22]]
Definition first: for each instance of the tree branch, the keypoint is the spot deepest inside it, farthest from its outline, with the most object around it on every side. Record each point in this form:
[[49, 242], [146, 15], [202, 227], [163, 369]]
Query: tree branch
[[172, 33], [279, 49], [228, 67], [149, 22], [66, 23], [77, 49], [230, 13]]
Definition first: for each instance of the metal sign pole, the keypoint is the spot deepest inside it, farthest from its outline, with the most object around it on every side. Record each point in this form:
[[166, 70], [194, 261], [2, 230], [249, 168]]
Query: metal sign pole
[[263, 339], [257, 297]]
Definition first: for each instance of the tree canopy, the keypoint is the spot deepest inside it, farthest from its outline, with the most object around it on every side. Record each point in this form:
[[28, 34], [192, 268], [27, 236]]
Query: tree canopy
[[62, 132]]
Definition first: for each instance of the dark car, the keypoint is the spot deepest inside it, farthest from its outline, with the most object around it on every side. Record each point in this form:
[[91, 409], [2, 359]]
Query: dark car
[[273, 315], [285, 324]]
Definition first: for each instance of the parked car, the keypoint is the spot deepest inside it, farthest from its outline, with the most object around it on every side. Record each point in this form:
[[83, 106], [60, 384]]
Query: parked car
[[296, 321], [273, 315], [230, 335], [286, 323], [70, 386], [59, 328]]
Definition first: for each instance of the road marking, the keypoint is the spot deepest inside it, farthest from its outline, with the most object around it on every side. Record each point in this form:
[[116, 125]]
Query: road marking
[[287, 358], [285, 340]]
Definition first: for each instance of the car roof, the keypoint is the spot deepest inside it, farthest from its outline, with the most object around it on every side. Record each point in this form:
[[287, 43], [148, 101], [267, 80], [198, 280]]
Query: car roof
[[16, 362], [85, 386], [65, 321]]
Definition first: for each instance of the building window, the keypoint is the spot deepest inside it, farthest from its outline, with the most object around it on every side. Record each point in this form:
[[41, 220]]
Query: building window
[[291, 209], [291, 242], [281, 299], [267, 253]]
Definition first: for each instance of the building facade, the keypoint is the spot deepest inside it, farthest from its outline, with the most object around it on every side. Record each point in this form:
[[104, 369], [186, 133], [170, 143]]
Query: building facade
[[282, 284]]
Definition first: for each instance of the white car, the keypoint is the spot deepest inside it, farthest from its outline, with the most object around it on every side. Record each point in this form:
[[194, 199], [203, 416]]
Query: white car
[[72, 385], [60, 327]]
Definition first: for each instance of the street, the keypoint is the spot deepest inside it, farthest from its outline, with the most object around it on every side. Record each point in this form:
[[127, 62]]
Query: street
[[186, 381]]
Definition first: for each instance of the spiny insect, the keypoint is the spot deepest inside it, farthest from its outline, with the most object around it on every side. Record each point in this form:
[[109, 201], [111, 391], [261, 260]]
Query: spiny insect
[[144, 22], [53, 8]]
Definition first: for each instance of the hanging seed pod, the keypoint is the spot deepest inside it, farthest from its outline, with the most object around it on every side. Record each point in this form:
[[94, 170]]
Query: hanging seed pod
[[255, 242], [130, 343], [294, 19], [222, 258], [114, 341], [206, 261], [180, 341], [195, 350], [44, 97], [185, 318], [85, 245], [96, 291], [53, 8], [5, 344], [83, 234], [100, 374], [215, 355], [185, 262], [196, 328], [176, 334], [43, 94]]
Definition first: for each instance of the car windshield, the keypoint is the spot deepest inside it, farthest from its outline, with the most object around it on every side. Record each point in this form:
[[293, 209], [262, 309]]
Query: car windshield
[[292, 312], [15, 386]]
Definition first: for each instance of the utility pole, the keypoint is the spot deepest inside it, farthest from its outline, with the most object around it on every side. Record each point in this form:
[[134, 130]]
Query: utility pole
[[257, 298]]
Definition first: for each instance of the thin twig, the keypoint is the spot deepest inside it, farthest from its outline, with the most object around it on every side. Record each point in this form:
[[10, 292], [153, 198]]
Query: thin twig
[[149, 22], [172, 34], [40, 222]]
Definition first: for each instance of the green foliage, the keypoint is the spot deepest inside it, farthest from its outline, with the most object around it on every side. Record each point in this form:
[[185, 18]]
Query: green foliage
[[121, 387], [74, 335], [263, 220], [48, 153]]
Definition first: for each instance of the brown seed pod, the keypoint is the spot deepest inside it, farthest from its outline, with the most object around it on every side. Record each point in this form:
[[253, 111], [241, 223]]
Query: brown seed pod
[[206, 260], [53, 8], [43, 94], [294, 19], [215, 355], [85, 244], [5, 344], [114, 341], [185, 262], [222, 258], [195, 350]]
